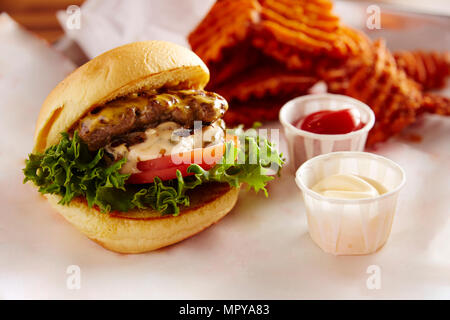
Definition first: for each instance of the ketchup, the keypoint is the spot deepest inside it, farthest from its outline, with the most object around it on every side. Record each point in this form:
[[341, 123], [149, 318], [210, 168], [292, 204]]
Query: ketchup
[[331, 122]]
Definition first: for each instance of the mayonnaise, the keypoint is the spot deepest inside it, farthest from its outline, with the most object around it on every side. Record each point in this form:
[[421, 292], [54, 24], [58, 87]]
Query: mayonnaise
[[165, 139], [348, 186]]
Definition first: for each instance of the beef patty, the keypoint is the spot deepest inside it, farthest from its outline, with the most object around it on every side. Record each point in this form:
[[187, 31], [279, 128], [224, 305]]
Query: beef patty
[[145, 110]]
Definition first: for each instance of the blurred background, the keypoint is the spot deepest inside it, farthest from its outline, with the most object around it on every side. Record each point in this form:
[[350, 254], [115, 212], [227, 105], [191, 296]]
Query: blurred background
[[39, 16]]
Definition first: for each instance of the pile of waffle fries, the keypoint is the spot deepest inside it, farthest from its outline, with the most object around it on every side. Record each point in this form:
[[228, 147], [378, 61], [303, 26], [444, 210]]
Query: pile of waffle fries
[[262, 53]]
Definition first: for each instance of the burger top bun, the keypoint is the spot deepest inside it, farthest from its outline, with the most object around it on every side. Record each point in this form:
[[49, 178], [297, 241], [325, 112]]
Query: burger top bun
[[127, 69]]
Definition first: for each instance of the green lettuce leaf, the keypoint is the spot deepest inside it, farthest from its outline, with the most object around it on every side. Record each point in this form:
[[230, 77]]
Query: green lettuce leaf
[[248, 163], [70, 170]]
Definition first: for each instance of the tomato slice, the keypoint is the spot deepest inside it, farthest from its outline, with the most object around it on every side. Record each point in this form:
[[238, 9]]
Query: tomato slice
[[166, 167], [164, 174]]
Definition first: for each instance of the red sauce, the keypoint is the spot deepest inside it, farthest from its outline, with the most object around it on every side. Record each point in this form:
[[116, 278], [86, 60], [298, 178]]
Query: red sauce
[[331, 122]]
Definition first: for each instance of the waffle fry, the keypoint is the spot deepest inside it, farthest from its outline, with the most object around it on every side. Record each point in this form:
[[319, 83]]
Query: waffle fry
[[227, 23], [282, 53], [281, 28], [338, 72], [268, 80], [235, 61], [377, 81], [291, 33], [436, 104], [259, 93], [429, 69], [261, 53], [341, 78], [247, 113]]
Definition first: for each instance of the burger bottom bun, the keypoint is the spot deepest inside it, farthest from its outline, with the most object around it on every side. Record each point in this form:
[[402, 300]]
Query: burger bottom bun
[[146, 230]]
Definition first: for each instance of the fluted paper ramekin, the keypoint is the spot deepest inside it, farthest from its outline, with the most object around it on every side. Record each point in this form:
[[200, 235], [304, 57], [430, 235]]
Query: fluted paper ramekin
[[304, 145], [350, 226]]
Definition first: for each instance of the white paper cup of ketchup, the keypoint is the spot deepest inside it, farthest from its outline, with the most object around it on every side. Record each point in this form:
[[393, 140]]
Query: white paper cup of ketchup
[[306, 142], [340, 222]]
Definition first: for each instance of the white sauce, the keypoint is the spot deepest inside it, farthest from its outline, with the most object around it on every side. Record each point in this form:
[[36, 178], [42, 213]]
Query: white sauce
[[348, 186], [165, 139]]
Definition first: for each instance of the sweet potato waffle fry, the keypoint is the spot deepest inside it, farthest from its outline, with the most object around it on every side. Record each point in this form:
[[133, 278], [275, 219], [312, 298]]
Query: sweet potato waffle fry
[[227, 23], [293, 28], [433, 103], [235, 61], [249, 112], [395, 98], [281, 28], [377, 81], [429, 68], [267, 80], [263, 52]]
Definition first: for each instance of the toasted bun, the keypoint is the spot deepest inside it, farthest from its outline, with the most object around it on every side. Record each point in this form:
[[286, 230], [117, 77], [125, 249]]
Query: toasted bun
[[118, 72], [147, 230]]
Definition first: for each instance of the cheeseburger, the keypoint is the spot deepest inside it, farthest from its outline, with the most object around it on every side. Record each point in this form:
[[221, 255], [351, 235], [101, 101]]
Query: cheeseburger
[[133, 152]]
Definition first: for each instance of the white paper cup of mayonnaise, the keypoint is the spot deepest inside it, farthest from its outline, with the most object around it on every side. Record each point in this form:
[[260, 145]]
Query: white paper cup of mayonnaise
[[304, 145], [350, 226]]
